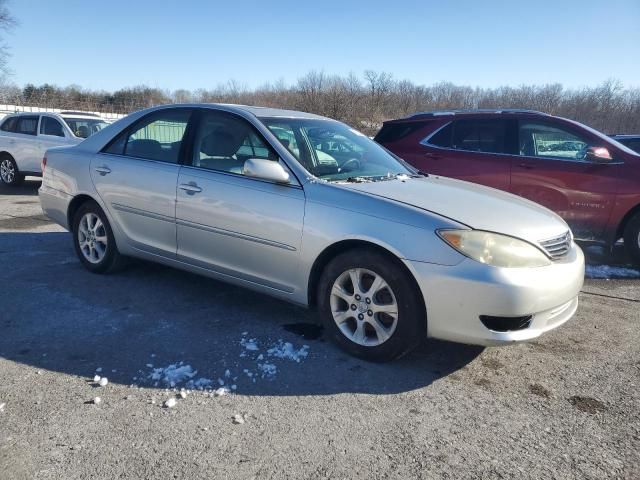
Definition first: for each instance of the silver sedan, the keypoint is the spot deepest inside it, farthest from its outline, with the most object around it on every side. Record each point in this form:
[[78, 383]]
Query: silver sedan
[[309, 210]]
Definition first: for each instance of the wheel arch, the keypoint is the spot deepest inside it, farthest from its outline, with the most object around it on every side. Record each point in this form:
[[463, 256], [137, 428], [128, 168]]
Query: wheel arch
[[625, 220], [75, 204], [330, 252], [6, 154]]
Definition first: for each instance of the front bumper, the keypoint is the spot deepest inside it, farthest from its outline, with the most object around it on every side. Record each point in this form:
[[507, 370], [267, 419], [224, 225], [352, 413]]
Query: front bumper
[[456, 296]]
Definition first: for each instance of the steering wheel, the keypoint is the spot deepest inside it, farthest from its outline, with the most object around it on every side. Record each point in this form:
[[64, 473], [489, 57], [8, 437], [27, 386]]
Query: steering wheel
[[582, 153], [349, 165]]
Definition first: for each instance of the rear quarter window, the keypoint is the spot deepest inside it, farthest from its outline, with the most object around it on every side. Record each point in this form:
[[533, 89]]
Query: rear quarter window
[[392, 132], [9, 125]]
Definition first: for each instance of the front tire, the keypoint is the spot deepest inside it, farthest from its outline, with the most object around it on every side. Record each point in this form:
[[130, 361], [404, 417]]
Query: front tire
[[93, 239], [632, 238], [371, 306], [9, 172]]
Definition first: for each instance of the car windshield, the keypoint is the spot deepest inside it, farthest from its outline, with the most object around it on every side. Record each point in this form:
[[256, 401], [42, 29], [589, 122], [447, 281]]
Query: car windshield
[[85, 127], [335, 152]]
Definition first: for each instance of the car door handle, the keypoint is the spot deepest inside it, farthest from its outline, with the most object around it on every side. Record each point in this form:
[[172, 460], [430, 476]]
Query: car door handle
[[526, 166], [190, 188], [103, 170], [435, 156]]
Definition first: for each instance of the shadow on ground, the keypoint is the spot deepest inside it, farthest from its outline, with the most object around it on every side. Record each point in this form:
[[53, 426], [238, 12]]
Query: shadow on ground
[[29, 187], [56, 316]]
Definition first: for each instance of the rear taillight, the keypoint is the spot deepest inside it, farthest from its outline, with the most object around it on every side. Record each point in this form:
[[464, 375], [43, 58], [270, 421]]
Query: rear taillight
[[43, 164]]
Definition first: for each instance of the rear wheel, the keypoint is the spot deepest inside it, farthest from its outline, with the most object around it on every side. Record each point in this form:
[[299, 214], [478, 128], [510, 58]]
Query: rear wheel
[[370, 305], [93, 239], [632, 238], [9, 173]]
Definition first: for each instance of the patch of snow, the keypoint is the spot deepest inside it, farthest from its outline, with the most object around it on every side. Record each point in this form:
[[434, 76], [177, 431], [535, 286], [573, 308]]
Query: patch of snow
[[267, 369], [183, 394], [199, 383], [287, 350], [96, 378], [103, 382], [238, 419], [249, 344], [173, 374], [97, 401], [608, 271], [170, 403], [219, 392], [2, 405]]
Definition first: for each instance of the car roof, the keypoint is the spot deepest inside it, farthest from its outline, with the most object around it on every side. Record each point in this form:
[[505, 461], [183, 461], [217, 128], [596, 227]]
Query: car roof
[[260, 112], [470, 112], [86, 115]]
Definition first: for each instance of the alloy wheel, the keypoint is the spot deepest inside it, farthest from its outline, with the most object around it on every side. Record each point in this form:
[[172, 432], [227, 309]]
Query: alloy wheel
[[7, 171], [92, 237], [364, 307]]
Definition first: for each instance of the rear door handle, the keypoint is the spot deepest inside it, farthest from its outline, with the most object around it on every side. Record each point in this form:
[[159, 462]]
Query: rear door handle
[[435, 156], [190, 188], [526, 166], [103, 170]]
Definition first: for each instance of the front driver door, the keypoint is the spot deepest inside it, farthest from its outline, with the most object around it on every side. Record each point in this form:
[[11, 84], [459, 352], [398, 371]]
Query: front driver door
[[136, 176], [234, 225], [552, 170]]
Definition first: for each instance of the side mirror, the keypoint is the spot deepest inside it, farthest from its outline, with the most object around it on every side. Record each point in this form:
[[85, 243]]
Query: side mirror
[[266, 170], [598, 155]]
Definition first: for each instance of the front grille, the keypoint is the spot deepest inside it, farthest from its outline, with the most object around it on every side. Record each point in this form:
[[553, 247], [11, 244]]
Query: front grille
[[557, 247]]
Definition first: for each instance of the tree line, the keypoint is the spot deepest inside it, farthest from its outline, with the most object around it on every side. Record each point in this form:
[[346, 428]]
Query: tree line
[[362, 101]]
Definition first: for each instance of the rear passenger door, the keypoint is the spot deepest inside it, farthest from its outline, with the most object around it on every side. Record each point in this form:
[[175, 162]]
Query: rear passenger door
[[51, 134], [24, 144], [475, 150], [237, 226], [136, 175]]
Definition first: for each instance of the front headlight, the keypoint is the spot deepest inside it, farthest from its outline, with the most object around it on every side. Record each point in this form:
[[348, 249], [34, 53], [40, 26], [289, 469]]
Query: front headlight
[[495, 249]]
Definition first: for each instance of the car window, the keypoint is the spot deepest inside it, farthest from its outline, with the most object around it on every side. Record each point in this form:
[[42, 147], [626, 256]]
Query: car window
[[27, 125], [481, 135], [51, 126], [632, 143], [9, 125], [224, 142], [442, 137], [539, 139], [157, 137]]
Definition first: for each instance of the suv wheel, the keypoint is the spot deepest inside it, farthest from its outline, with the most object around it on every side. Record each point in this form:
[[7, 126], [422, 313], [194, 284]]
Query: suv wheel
[[632, 238], [93, 239], [370, 306], [9, 173]]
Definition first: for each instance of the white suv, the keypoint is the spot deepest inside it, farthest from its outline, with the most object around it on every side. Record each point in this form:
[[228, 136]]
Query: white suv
[[24, 137]]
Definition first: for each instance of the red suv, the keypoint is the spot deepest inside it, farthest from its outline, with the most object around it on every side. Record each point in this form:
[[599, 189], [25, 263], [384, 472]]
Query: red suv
[[589, 179]]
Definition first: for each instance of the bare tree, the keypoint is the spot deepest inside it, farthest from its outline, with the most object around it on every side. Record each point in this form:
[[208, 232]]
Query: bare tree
[[7, 22]]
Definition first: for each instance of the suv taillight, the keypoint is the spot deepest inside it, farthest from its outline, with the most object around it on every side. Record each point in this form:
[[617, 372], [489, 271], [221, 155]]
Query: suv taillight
[[43, 164]]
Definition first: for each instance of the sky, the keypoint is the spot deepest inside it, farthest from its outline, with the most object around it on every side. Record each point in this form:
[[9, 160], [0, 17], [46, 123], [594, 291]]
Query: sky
[[201, 44]]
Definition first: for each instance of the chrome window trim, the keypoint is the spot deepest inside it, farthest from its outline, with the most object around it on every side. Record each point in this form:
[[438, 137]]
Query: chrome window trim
[[425, 142]]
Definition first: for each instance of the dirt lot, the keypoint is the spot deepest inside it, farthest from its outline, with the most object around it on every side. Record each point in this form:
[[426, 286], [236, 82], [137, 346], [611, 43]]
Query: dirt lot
[[564, 406]]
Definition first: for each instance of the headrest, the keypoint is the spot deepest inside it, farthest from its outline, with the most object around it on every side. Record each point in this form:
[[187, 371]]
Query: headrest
[[144, 148], [221, 143]]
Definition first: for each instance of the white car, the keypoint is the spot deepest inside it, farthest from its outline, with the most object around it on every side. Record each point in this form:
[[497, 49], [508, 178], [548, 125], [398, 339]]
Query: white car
[[24, 137]]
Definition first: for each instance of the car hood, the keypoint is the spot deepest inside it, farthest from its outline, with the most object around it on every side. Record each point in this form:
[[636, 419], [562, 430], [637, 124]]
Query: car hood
[[478, 207]]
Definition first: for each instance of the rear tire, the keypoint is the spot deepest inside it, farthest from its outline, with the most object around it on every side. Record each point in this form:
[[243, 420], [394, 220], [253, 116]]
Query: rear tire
[[632, 238], [382, 318], [93, 240], [9, 172]]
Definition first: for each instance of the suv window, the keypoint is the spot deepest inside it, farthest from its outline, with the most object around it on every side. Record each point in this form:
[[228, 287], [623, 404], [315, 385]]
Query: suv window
[[392, 132], [9, 125], [27, 125], [156, 137], [632, 143], [481, 135], [442, 137], [539, 139], [51, 126], [223, 142]]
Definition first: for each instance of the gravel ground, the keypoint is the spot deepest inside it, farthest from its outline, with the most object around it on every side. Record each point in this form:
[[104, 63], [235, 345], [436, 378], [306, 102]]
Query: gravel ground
[[564, 406]]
